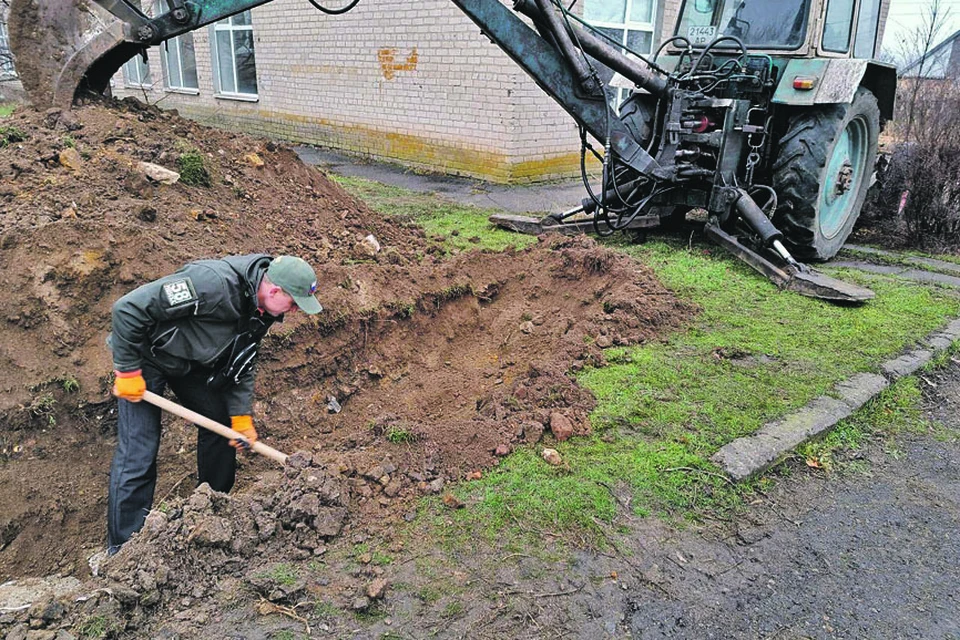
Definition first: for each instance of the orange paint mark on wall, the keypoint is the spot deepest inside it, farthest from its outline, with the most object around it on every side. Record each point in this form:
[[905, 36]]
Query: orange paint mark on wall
[[389, 65]]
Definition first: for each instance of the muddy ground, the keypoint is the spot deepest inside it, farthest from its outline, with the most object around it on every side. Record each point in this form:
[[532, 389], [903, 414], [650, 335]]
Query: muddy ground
[[441, 363], [870, 552]]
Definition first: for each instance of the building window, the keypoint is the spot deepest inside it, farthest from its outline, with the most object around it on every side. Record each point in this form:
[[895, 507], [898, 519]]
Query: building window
[[179, 61], [235, 66], [136, 72], [6, 56], [626, 22]]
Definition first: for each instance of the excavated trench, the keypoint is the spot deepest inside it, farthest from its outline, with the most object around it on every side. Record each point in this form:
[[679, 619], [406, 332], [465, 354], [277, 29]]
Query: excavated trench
[[424, 367]]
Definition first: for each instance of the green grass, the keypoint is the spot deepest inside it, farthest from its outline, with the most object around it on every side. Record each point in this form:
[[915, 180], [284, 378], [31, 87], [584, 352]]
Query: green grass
[[97, 627], [751, 354], [376, 557], [193, 169], [282, 573], [69, 384], [324, 609], [896, 410], [462, 227], [399, 435], [6, 109], [10, 135]]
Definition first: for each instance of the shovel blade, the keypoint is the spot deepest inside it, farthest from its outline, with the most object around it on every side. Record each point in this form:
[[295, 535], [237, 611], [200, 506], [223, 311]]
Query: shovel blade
[[814, 284], [808, 282], [519, 224]]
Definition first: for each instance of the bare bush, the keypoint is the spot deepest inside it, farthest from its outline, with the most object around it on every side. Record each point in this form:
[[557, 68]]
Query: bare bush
[[917, 203], [917, 200]]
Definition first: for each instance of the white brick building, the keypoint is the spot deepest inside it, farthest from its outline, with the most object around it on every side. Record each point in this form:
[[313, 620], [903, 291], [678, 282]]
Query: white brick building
[[414, 83]]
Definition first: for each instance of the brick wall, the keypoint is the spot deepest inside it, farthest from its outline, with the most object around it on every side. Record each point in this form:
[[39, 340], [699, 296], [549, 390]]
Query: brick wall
[[670, 11], [414, 83]]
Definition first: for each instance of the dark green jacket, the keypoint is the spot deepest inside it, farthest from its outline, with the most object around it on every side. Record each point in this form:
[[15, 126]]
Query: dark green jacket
[[189, 320]]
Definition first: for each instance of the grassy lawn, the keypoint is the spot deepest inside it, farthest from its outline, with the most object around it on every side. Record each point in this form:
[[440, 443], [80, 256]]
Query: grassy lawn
[[753, 354], [458, 227]]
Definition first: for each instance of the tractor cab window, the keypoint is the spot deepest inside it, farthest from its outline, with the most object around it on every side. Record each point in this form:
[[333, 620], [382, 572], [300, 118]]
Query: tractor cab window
[[752, 21], [837, 25], [868, 22]]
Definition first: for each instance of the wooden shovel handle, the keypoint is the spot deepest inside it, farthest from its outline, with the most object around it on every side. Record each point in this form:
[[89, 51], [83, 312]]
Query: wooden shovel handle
[[212, 425]]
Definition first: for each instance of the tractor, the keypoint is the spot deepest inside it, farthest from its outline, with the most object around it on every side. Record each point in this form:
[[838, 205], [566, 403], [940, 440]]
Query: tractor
[[763, 117]]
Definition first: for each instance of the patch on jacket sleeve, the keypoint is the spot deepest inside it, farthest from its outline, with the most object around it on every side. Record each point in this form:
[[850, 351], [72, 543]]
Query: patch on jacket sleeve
[[179, 292]]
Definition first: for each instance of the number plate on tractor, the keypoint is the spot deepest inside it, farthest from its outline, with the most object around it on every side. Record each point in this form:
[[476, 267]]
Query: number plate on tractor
[[699, 36]]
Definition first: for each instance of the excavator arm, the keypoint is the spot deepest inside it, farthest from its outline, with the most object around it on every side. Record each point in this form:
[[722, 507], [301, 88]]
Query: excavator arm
[[64, 47]]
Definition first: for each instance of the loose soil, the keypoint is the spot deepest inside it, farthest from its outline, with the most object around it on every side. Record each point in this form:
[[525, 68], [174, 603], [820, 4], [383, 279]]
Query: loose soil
[[440, 363]]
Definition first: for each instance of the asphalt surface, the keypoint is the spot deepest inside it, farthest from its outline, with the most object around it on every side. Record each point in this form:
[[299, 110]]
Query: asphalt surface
[[871, 553]]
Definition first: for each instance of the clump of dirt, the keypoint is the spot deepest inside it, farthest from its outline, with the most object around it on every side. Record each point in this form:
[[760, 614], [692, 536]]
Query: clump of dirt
[[194, 544], [423, 368]]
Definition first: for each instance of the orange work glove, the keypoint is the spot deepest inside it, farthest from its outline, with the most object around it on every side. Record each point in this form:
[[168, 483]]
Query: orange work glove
[[244, 426], [129, 385]]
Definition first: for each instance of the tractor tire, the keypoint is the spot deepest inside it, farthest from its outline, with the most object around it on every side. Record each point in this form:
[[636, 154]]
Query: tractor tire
[[822, 172]]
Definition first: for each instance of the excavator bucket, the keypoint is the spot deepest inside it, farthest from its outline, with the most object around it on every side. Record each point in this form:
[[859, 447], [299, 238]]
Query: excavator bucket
[[65, 46]]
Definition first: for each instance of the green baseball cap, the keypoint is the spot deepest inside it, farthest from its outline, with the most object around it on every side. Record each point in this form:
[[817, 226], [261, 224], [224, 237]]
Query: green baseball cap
[[297, 278]]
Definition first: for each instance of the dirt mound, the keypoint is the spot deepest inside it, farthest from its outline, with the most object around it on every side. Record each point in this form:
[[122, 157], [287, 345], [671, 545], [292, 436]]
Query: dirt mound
[[194, 544], [423, 368], [80, 223]]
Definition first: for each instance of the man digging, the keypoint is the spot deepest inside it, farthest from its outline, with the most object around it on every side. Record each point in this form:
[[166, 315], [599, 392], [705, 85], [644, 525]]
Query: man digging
[[196, 331]]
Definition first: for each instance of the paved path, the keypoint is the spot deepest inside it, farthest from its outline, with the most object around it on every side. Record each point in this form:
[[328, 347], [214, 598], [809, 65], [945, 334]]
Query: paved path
[[932, 263], [917, 275], [538, 198]]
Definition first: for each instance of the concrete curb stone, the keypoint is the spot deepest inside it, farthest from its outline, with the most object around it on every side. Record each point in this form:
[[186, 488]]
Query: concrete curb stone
[[906, 364], [860, 389], [749, 455]]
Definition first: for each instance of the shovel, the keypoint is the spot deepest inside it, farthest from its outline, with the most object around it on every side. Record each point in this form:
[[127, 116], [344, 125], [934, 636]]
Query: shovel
[[207, 423]]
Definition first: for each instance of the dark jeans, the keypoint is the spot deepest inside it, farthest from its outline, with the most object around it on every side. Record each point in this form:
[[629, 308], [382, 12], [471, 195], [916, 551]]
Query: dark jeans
[[133, 472]]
